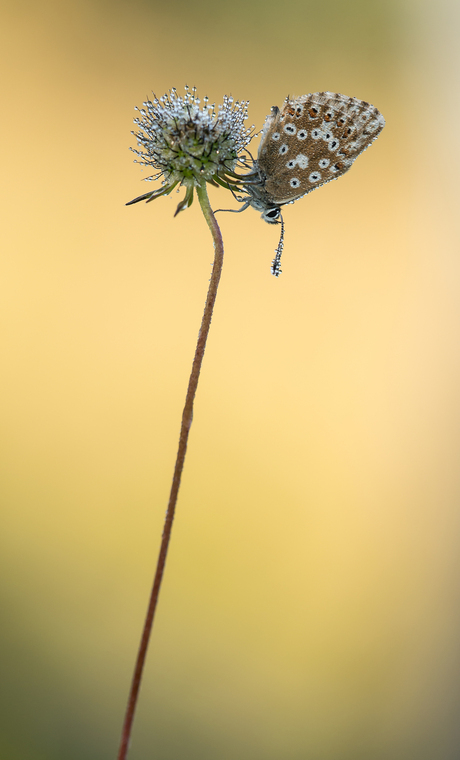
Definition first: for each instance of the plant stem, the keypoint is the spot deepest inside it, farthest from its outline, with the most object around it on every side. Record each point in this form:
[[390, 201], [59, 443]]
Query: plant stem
[[187, 416]]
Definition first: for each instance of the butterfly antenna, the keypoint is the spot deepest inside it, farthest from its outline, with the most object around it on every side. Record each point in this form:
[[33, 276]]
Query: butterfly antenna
[[276, 263]]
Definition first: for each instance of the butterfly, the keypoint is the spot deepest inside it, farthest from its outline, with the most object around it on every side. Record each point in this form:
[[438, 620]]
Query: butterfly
[[314, 139]]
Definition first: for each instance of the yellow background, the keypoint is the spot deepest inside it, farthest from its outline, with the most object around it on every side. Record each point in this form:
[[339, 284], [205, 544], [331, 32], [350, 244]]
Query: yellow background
[[310, 603]]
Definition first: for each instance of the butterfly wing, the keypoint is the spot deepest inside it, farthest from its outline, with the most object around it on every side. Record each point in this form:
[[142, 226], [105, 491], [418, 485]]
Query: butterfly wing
[[313, 140]]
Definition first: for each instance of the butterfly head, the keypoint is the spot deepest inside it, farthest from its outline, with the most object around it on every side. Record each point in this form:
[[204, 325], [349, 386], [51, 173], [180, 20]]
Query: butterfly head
[[258, 198], [271, 212], [272, 215]]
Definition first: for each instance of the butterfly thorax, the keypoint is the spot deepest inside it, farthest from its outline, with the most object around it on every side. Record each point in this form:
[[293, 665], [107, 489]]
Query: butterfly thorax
[[260, 199]]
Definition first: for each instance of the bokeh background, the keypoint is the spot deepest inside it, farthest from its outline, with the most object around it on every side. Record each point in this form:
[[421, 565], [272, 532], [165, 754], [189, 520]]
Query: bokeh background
[[310, 607]]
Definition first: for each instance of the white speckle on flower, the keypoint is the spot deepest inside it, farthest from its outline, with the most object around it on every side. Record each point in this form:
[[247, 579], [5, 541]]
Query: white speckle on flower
[[189, 145]]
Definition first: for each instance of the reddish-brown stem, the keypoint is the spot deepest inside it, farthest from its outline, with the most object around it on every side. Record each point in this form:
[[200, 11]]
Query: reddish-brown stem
[[187, 416]]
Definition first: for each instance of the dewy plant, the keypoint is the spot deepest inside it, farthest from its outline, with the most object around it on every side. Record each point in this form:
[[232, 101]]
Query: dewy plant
[[314, 139]]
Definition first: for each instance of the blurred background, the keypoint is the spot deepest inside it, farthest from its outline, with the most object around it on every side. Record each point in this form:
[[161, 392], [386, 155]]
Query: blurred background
[[310, 607]]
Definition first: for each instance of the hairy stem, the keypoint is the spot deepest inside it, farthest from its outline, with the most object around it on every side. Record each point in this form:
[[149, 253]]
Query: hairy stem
[[187, 416]]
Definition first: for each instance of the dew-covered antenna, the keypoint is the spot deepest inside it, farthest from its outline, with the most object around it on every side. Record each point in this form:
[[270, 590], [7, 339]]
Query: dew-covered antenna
[[276, 263]]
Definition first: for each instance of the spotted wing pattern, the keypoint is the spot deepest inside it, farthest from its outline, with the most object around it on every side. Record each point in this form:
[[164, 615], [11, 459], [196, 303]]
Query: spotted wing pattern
[[313, 140]]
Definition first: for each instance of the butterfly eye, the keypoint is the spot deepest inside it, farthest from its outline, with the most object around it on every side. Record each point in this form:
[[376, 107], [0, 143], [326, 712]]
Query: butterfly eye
[[299, 111], [272, 214], [294, 182], [284, 149], [313, 112], [302, 134], [314, 177]]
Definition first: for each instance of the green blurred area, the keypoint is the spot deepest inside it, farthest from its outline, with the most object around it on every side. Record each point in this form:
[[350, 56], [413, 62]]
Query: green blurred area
[[309, 604]]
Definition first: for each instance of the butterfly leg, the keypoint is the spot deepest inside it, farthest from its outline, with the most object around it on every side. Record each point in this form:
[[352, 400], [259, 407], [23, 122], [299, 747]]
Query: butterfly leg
[[234, 210]]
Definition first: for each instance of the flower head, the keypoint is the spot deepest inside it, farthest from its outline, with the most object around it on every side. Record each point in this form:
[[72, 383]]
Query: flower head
[[189, 145]]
